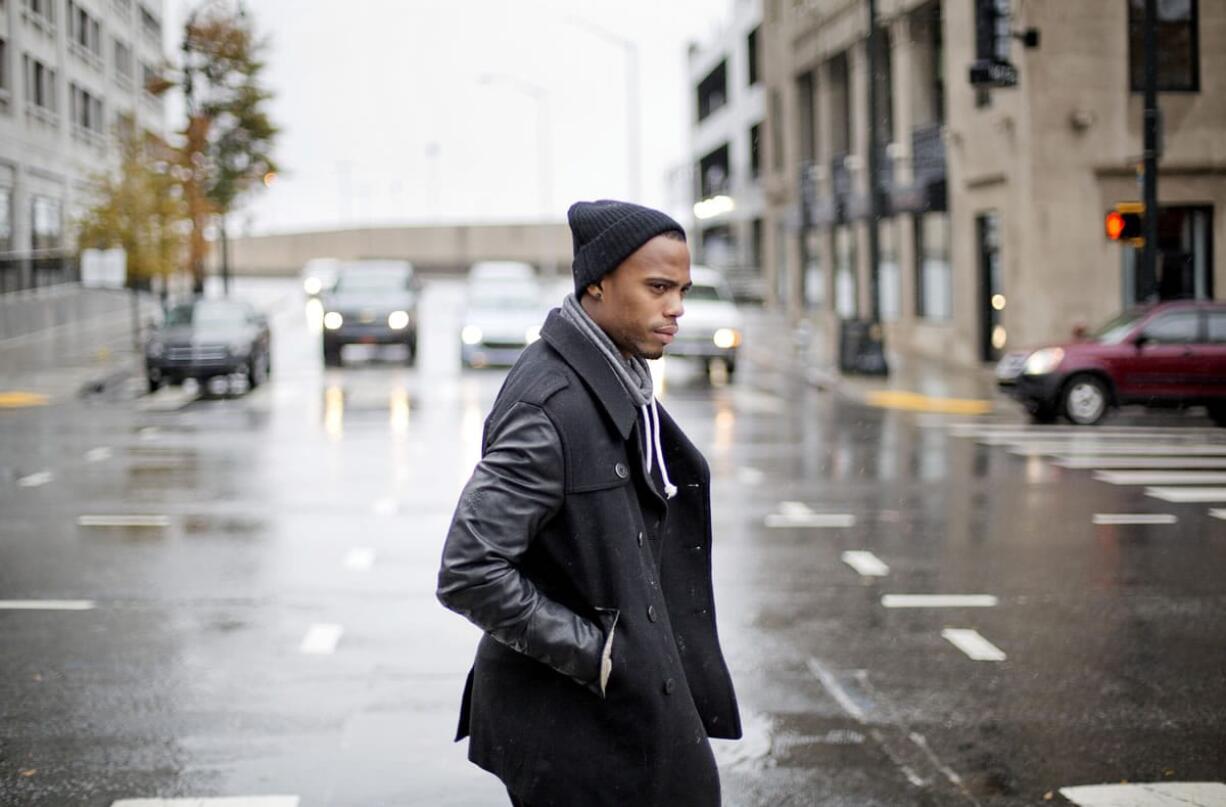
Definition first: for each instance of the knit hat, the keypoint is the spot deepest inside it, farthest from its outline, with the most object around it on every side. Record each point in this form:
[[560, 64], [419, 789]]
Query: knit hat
[[606, 232]]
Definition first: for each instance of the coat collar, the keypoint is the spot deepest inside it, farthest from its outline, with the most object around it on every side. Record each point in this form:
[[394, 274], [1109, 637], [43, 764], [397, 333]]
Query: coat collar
[[586, 360]]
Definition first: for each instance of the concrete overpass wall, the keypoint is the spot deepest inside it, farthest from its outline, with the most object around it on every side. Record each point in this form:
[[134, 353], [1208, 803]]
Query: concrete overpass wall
[[439, 249]]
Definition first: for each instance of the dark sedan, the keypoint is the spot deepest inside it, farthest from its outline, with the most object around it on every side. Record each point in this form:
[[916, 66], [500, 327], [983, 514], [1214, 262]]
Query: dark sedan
[[1166, 355], [204, 339], [373, 302]]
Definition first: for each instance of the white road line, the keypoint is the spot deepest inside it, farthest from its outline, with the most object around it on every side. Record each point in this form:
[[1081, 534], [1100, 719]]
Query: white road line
[[99, 454], [921, 742], [973, 644], [749, 476], [1137, 449], [387, 506], [835, 689], [816, 520], [321, 639], [1113, 519], [1187, 495], [939, 601], [1161, 477], [1218, 513], [865, 563], [229, 801], [123, 521], [46, 605], [1098, 462], [36, 480], [360, 560], [1157, 794]]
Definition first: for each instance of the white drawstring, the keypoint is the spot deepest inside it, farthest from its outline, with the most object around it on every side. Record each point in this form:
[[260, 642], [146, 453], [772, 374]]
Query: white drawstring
[[651, 440]]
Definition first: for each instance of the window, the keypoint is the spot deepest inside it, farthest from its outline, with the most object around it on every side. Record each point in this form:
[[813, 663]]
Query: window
[[123, 62], [755, 245], [84, 32], [6, 219], [888, 280], [840, 106], [845, 272], [776, 124], [755, 150], [885, 88], [1178, 328], [41, 11], [40, 85], [4, 70], [718, 246], [1178, 41], [713, 176], [933, 281], [45, 229], [150, 25], [1217, 326], [805, 109], [752, 48], [85, 110], [148, 77], [713, 91]]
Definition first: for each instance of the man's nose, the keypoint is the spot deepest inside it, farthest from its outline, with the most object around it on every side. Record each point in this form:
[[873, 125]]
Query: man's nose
[[676, 306]]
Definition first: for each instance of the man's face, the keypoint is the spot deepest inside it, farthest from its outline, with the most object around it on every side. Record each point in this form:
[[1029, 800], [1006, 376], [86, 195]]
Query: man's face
[[638, 303]]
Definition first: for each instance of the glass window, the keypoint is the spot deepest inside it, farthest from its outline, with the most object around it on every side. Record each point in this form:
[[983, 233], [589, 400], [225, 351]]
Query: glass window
[[933, 287], [1178, 44], [1217, 326], [888, 292], [755, 150], [1178, 328], [845, 272], [6, 220], [46, 223], [752, 47]]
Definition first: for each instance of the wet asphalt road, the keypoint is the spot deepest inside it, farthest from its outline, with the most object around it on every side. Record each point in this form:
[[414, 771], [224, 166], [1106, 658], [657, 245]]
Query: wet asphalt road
[[273, 630]]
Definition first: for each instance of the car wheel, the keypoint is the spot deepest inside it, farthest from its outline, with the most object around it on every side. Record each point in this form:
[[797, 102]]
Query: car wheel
[[155, 382], [1084, 400], [257, 370], [730, 367], [1217, 413], [411, 346]]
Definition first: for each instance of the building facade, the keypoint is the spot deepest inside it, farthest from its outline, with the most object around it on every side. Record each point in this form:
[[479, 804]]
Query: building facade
[[992, 201], [727, 114], [69, 69]]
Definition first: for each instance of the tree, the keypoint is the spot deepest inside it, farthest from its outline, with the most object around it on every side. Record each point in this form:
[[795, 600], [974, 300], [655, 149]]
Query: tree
[[140, 207], [228, 140]]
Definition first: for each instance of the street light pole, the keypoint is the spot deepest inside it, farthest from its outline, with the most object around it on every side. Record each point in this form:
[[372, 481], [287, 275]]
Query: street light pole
[[541, 96], [1148, 287]]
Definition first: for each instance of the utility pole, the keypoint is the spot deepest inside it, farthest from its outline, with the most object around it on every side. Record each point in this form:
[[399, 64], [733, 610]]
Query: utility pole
[[1152, 121], [874, 170]]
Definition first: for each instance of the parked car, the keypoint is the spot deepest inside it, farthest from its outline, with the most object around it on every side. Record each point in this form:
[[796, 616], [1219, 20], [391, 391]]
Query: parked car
[[1166, 355], [503, 313], [710, 329], [318, 275], [372, 302], [203, 339]]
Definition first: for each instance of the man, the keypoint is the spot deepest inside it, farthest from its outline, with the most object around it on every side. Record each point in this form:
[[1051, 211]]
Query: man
[[582, 547]]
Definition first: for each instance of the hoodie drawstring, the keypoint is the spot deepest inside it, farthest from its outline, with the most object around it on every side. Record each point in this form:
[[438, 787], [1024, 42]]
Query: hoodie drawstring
[[651, 440]]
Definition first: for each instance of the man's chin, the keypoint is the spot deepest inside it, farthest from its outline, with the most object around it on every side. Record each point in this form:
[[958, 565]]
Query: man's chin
[[651, 352]]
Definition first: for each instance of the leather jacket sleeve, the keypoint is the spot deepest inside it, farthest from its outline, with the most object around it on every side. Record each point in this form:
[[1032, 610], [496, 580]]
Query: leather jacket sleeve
[[516, 488]]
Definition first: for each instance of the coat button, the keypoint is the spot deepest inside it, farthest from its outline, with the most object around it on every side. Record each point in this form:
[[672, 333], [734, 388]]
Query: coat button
[[621, 470], [640, 538], [669, 686], [651, 613]]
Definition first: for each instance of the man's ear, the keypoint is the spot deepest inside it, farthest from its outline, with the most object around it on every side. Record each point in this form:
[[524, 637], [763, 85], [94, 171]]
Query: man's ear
[[595, 291]]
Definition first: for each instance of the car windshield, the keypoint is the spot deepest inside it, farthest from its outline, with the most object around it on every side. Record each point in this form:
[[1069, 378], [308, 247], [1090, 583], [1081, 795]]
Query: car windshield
[[513, 296], [703, 293], [206, 315], [381, 279], [1114, 331]]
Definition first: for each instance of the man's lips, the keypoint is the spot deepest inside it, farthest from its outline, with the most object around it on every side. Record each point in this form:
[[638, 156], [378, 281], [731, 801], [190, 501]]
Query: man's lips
[[666, 333]]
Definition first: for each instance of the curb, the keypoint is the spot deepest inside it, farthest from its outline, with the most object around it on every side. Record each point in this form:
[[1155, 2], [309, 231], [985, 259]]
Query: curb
[[107, 384]]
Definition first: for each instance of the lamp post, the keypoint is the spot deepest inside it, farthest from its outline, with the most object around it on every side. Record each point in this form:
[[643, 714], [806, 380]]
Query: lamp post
[[634, 132], [541, 96]]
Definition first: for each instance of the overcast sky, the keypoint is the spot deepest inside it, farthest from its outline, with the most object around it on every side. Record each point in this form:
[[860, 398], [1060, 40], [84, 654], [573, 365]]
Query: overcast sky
[[386, 119]]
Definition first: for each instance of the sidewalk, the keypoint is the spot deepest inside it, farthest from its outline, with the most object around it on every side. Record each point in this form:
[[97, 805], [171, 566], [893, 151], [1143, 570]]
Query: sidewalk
[[913, 384]]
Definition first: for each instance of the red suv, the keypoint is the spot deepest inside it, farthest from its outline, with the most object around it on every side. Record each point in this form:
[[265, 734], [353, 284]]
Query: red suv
[[1169, 354]]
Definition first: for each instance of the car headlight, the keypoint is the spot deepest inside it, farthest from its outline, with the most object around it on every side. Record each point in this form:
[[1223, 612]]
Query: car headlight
[[471, 335], [532, 334], [1042, 362], [726, 338], [153, 349], [312, 285], [333, 320], [398, 320]]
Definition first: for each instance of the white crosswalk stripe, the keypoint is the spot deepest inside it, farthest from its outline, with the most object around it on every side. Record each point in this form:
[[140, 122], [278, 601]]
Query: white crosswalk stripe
[[1162, 477], [1157, 794], [1187, 495]]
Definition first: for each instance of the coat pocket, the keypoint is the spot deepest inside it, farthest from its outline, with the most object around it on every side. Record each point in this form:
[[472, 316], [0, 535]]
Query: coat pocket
[[607, 619]]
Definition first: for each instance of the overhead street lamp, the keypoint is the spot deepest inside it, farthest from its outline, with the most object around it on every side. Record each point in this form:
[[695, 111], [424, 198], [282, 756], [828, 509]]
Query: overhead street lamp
[[541, 96]]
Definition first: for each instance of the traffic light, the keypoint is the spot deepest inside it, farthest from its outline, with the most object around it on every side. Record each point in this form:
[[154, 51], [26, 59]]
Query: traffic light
[[1126, 222]]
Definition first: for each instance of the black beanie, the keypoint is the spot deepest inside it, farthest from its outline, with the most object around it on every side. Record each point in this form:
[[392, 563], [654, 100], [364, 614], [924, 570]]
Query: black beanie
[[606, 232]]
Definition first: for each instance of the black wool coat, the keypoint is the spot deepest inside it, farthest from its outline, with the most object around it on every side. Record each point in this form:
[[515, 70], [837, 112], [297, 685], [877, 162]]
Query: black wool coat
[[559, 541]]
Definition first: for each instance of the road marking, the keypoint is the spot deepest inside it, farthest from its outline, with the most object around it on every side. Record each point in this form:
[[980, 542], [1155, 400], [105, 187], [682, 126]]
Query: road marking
[[16, 399], [123, 521], [1218, 513], [1157, 794], [866, 563], [939, 601], [360, 560], [921, 742], [1106, 463], [1113, 519], [1138, 449], [1187, 495], [230, 801], [46, 605], [915, 402], [973, 644], [98, 454], [321, 639], [749, 476], [387, 506], [1161, 477], [35, 480], [798, 514], [835, 689]]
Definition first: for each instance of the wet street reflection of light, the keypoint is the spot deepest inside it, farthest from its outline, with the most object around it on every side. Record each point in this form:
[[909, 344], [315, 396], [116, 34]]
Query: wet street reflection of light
[[334, 412], [315, 316], [471, 427], [725, 424], [399, 412]]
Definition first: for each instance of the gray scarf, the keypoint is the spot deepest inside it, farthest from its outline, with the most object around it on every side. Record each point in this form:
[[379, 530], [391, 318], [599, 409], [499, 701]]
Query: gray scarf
[[634, 373]]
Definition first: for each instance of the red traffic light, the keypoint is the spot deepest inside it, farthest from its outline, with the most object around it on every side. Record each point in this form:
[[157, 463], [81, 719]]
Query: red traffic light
[[1115, 225], [1126, 223]]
